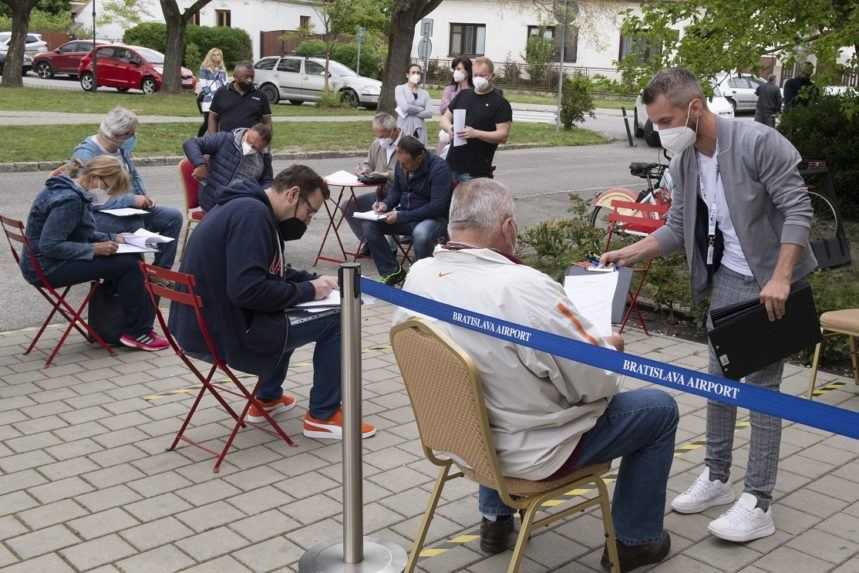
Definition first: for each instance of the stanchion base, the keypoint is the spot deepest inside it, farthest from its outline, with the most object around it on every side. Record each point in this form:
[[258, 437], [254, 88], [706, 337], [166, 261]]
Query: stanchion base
[[379, 557]]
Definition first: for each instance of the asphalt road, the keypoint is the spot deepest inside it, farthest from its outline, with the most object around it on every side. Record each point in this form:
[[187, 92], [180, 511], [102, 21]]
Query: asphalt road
[[539, 178]]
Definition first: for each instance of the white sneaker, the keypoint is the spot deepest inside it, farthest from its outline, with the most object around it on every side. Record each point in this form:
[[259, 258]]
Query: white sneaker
[[744, 521], [702, 495]]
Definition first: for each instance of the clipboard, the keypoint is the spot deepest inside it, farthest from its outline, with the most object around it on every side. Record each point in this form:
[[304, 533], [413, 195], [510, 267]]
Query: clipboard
[[745, 340], [621, 293]]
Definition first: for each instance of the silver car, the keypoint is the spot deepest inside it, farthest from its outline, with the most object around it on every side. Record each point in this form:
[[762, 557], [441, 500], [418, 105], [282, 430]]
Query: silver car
[[740, 90], [299, 79], [34, 45]]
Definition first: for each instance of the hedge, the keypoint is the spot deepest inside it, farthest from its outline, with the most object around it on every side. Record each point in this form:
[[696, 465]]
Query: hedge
[[235, 43], [346, 54]]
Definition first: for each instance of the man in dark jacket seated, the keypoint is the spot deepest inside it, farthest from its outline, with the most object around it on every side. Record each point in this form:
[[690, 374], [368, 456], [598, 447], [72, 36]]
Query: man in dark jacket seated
[[249, 294], [416, 204], [242, 153]]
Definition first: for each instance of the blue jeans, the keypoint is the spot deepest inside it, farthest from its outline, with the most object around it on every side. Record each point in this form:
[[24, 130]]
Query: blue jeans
[[165, 221], [325, 393], [425, 235], [359, 205], [638, 426]]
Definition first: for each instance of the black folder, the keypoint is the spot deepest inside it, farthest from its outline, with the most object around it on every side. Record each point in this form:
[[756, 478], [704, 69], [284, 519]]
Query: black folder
[[745, 340]]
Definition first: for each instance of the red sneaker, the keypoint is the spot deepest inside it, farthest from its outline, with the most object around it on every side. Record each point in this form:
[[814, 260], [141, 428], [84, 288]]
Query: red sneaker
[[332, 428], [150, 342], [272, 407]]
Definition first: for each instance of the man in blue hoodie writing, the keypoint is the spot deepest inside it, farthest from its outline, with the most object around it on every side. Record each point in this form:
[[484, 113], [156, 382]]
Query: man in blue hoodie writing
[[236, 255]]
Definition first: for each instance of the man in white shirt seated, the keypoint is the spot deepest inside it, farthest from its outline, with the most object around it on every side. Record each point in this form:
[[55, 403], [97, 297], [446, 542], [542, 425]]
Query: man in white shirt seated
[[549, 416]]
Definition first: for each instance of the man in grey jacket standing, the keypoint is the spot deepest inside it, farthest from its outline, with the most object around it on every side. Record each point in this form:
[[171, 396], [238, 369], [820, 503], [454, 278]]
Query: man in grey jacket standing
[[742, 214]]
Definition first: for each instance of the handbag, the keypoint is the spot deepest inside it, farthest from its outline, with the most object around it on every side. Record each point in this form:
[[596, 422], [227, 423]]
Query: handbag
[[106, 314], [833, 252]]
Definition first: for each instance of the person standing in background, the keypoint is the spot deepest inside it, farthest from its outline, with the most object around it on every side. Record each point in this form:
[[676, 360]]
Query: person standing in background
[[769, 102], [793, 88], [461, 67], [211, 77], [413, 105]]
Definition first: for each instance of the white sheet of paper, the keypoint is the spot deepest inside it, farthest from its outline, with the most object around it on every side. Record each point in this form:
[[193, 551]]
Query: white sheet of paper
[[343, 179], [592, 295], [125, 212], [125, 249], [144, 239], [458, 125], [369, 215], [332, 299]]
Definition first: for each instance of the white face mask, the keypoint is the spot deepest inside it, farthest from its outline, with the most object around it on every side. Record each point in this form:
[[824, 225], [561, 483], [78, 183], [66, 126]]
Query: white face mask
[[458, 76], [247, 148], [676, 140], [481, 84], [414, 79]]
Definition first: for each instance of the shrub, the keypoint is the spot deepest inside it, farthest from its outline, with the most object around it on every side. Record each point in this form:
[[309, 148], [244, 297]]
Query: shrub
[[346, 54], [577, 100], [603, 85], [311, 49], [828, 128], [41, 21], [330, 100], [233, 42], [538, 55], [193, 57]]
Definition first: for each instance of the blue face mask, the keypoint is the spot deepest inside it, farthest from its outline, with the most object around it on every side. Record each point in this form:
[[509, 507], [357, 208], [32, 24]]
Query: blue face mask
[[129, 144]]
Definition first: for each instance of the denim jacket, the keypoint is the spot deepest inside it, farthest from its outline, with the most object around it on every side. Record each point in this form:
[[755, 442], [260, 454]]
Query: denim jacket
[[89, 148], [60, 227]]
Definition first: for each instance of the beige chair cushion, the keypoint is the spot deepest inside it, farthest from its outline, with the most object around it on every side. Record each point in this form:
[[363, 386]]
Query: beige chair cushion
[[846, 320]]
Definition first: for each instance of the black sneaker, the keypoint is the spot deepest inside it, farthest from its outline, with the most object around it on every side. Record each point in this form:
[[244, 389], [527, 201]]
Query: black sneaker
[[395, 278], [495, 535], [634, 556]]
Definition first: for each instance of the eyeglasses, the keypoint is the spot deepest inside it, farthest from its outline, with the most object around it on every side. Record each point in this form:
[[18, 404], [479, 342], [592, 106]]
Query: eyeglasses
[[311, 210]]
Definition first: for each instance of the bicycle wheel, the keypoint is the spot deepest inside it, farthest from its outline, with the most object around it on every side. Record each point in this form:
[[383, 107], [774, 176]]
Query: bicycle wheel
[[599, 217]]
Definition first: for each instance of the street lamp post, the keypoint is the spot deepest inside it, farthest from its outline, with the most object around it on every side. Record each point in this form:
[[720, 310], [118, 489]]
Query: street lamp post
[[94, 53], [561, 65]]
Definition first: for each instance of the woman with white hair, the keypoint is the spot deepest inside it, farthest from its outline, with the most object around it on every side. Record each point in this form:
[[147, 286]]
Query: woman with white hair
[[116, 137], [211, 77]]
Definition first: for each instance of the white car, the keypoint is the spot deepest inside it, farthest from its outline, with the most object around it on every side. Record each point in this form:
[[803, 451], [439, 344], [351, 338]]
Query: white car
[[299, 79], [740, 90], [718, 104], [34, 44]]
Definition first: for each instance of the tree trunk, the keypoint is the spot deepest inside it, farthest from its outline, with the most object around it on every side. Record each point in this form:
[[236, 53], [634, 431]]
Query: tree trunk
[[401, 35], [12, 73], [171, 78]]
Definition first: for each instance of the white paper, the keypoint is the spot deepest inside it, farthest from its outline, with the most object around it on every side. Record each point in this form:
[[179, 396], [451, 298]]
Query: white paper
[[369, 215], [592, 295], [144, 239], [332, 299], [343, 179], [124, 212], [458, 125], [125, 249]]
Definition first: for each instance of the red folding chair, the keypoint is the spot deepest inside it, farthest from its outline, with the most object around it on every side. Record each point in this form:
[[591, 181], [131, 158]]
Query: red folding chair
[[638, 219], [155, 280], [14, 231], [193, 213]]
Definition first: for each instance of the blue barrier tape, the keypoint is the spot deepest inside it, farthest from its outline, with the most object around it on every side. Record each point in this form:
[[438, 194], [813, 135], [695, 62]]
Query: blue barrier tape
[[756, 398]]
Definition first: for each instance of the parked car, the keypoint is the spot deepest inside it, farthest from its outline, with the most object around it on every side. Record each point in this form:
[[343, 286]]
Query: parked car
[[717, 103], [64, 60], [740, 90], [28, 62], [34, 45], [128, 67], [299, 79]]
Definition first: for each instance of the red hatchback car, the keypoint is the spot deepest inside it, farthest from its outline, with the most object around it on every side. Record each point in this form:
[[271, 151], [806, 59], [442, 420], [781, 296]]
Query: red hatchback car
[[64, 60], [128, 67]]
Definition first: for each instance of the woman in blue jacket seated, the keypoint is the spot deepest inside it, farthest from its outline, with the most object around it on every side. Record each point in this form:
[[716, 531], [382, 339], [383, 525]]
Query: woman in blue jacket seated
[[62, 235], [233, 154]]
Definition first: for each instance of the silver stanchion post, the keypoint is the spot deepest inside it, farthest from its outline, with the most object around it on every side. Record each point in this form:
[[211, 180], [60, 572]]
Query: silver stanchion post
[[355, 553]]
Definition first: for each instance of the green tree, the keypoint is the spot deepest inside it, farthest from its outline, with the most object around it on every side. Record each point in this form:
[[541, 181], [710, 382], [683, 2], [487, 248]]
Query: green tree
[[538, 55], [177, 22], [125, 13], [20, 11], [724, 35]]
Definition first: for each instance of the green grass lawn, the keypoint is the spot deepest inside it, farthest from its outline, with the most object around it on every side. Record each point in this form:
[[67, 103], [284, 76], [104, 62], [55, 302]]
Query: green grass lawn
[[55, 143], [184, 105]]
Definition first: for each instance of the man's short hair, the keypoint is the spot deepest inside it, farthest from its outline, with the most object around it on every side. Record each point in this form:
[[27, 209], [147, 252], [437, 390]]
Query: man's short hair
[[484, 61], [264, 131], [679, 85], [412, 146], [303, 177], [771, 78], [807, 69], [118, 122], [480, 204], [244, 65], [385, 121]]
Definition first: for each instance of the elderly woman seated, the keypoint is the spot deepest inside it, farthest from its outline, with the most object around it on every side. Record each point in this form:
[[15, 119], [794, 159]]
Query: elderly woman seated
[[62, 234]]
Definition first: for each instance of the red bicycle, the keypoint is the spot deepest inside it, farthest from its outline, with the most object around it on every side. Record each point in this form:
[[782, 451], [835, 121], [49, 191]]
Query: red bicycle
[[658, 192]]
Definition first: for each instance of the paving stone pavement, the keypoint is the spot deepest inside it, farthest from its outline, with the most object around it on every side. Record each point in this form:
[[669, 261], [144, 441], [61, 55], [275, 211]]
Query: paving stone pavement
[[87, 485]]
